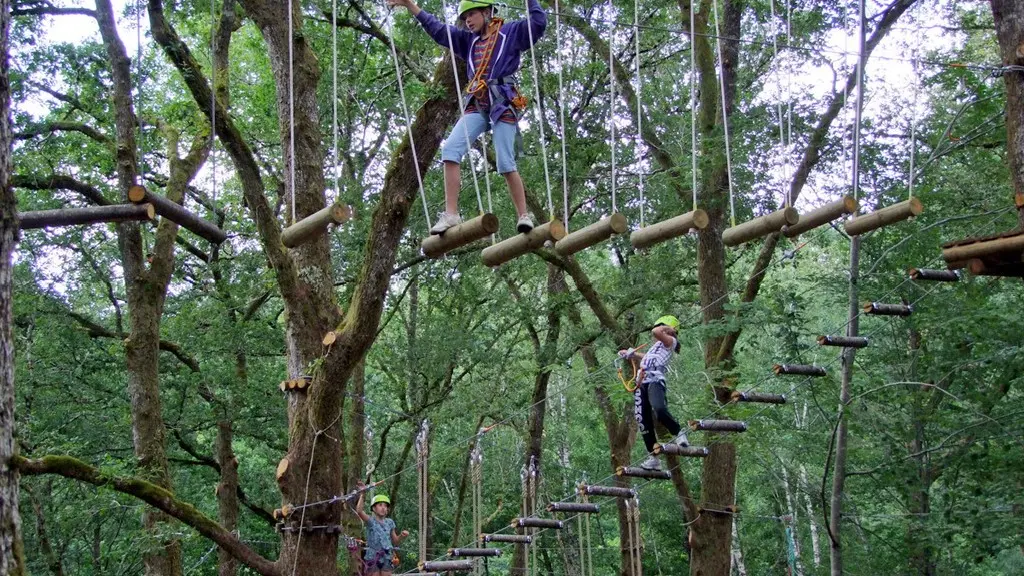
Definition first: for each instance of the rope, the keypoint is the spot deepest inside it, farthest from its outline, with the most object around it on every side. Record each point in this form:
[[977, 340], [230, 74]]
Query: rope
[[138, 91], [913, 137], [525, 490], [533, 512], [476, 460], [334, 79], [611, 110], [858, 110], [540, 115], [291, 112], [463, 102], [405, 112], [778, 108], [213, 100], [561, 120], [637, 542], [639, 106], [422, 452], [693, 108], [725, 120]]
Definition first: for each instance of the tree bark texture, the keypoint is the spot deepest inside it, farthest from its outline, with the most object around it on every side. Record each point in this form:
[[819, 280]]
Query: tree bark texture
[[1009, 20]]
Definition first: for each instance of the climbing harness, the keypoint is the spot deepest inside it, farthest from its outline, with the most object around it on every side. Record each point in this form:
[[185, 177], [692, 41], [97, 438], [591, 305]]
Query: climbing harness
[[638, 372]]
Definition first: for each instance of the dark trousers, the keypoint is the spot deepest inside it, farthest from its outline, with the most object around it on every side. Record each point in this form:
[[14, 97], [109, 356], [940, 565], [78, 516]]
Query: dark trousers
[[648, 403]]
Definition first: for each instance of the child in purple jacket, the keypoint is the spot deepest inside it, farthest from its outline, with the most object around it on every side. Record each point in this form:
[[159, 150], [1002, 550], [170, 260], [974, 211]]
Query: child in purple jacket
[[491, 49]]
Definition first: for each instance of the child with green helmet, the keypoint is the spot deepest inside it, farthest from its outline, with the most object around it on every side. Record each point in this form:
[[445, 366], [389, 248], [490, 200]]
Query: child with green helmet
[[649, 399], [381, 536]]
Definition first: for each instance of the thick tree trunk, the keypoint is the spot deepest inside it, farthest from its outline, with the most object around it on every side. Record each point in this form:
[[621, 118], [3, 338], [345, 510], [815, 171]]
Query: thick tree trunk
[[227, 493], [1009, 20]]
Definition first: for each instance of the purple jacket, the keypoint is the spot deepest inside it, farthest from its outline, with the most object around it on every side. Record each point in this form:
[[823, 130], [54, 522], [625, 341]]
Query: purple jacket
[[513, 39]]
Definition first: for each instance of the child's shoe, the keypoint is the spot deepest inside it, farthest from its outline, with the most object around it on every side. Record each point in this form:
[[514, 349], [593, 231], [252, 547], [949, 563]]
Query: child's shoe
[[445, 221], [525, 223], [652, 463]]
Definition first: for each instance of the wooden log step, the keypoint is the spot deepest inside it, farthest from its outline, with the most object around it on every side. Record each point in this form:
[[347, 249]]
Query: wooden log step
[[883, 217], [83, 216], [799, 370], [879, 309], [437, 245], [534, 522], [473, 552], [719, 425], [588, 236], [668, 229], [1006, 269], [632, 472], [934, 275], [613, 491], [311, 226], [446, 566], [760, 227], [520, 244], [684, 451], [761, 397], [507, 538], [178, 214], [574, 507], [843, 341], [821, 215]]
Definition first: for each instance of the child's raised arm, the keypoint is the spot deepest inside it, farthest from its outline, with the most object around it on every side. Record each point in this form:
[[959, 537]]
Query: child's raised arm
[[359, 504], [397, 538]]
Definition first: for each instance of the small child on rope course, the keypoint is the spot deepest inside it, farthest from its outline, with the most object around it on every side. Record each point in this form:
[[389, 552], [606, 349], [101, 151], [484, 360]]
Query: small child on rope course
[[492, 98], [650, 393], [381, 537]]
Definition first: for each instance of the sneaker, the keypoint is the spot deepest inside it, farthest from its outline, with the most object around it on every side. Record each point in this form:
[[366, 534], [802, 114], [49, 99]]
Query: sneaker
[[445, 221], [681, 439], [652, 463], [525, 223]]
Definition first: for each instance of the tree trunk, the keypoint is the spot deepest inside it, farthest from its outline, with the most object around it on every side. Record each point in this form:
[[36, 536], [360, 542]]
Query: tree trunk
[[1009, 20], [794, 524], [811, 516], [227, 493]]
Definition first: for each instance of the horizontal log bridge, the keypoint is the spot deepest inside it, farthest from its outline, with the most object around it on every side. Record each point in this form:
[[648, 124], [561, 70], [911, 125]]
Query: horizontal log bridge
[[178, 214], [82, 216], [446, 566], [309, 227], [980, 267], [799, 370], [684, 451], [843, 341], [879, 309], [632, 472], [474, 552], [574, 507], [883, 217], [760, 227], [719, 425], [669, 229], [612, 491], [520, 244], [760, 397], [822, 215], [934, 275], [534, 522], [437, 245], [596, 233], [507, 538], [1012, 245]]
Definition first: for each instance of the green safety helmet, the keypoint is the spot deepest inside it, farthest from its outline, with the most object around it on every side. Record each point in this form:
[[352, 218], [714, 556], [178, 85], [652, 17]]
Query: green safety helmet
[[467, 5], [380, 498], [670, 321]]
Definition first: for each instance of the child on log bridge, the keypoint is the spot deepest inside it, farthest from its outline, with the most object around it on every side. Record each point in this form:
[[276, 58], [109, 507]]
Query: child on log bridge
[[491, 48], [649, 395], [381, 537]]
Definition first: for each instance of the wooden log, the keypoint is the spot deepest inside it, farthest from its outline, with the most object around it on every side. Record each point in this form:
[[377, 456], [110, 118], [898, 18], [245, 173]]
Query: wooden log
[[934, 275], [821, 215], [758, 397], [760, 227], [316, 223], [719, 425], [1012, 245], [879, 309], [684, 451], [421, 574], [507, 538], [178, 214], [612, 491], [1018, 200], [473, 552], [283, 385], [330, 338], [843, 341], [282, 467], [799, 370], [1008, 269], [588, 236], [437, 245], [446, 566], [574, 507], [520, 244], [84, 216], [631, 472], [534, 522], [883, 217], [668, 229]]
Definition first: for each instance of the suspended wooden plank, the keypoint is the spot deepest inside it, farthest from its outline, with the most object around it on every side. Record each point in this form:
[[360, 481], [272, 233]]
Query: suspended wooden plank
[[437, 245], [36, 219], [719, 425], [934, 275], [507, 538], [843, 341], [446, 566], [822, 215], [595, 233], [520, 244], [534, 522], [760, 227], [574, 507], [668, 229], [631, 472], [879, 309], [1009, 245], [760, 397], [883, 217], [176, 213], [311, 226], [612, 491], [474, 552], [684, 451], [799, 370]]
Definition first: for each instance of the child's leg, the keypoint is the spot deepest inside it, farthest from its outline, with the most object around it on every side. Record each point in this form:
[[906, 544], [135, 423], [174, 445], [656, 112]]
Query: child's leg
[[504, 151], [644, 420], [456, 146], [517, 190], [656, 395], [452, 184]]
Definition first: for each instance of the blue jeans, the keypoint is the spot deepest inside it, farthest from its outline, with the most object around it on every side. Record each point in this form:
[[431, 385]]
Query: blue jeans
[[456, 146]]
